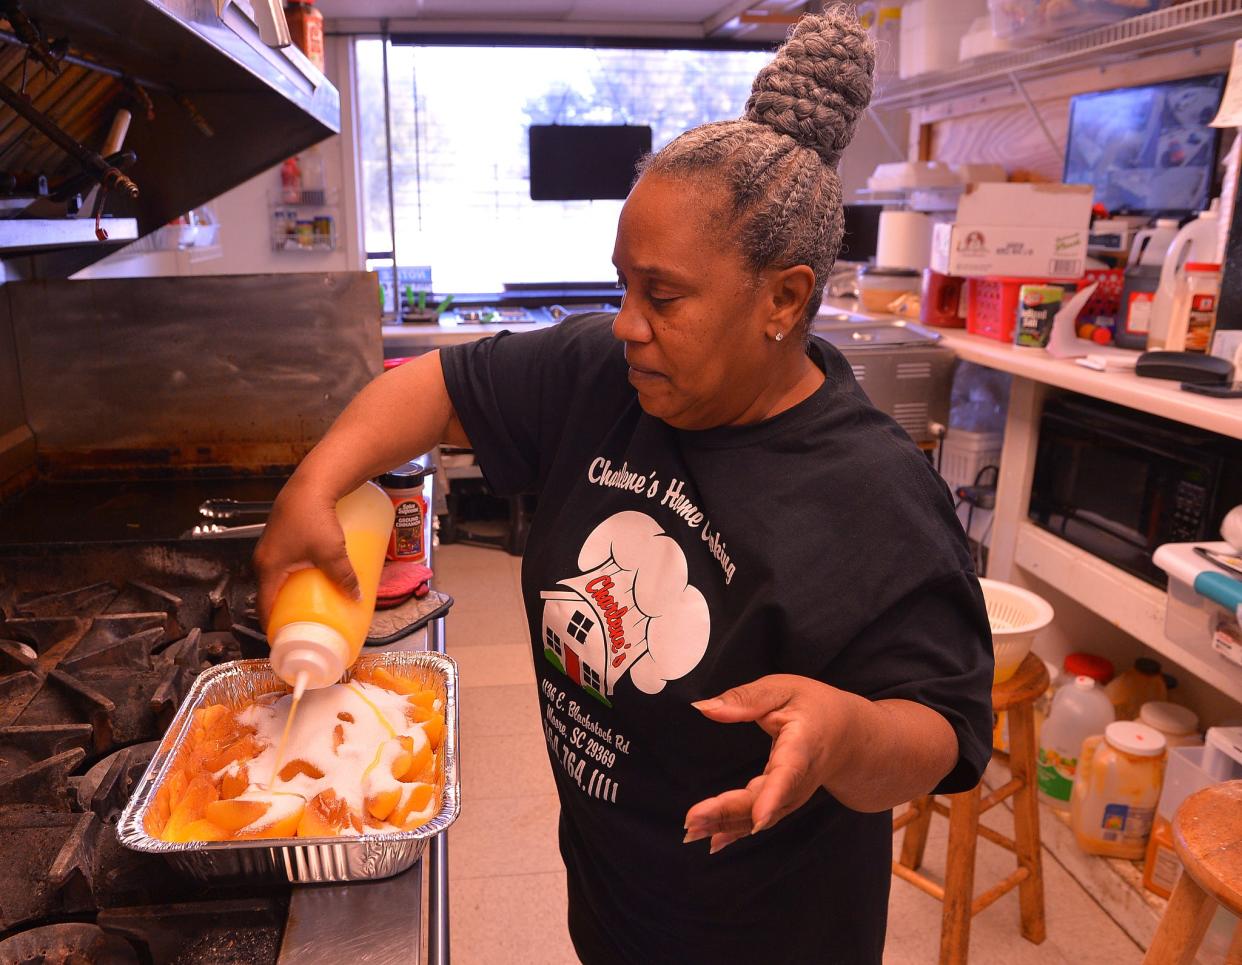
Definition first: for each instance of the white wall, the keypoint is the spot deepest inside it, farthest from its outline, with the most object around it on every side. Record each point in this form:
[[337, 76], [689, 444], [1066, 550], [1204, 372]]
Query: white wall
[[244, 213]]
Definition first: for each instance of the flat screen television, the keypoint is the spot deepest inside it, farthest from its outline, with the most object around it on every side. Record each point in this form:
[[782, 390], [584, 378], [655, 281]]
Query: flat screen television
[[1146, 150], [585, 162]]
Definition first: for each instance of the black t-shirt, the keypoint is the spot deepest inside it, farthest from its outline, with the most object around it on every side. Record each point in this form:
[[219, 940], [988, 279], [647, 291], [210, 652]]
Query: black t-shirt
[[665, 566]]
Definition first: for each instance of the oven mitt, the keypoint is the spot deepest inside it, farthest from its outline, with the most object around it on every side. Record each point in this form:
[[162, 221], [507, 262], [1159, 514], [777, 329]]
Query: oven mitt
[[399, 581]]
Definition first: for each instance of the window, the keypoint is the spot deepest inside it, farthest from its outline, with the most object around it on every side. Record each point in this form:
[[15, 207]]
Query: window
[[459, 154], [554, 642], [580, 626], [591, 679]]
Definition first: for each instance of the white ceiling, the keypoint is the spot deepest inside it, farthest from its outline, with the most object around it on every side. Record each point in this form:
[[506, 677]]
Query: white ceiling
[[679, 17]]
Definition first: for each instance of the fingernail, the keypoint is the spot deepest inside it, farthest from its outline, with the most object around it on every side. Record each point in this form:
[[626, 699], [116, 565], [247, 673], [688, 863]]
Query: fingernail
[[714, 704], [693, 836], [761, 825], [716, 847]]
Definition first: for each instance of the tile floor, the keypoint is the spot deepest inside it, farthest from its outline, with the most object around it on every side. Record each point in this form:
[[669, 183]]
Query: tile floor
[[507, 883]]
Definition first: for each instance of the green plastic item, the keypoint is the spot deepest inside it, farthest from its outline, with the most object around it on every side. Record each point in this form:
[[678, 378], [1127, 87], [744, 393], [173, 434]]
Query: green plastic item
[[444, 305], [422, 301], [409, 296]]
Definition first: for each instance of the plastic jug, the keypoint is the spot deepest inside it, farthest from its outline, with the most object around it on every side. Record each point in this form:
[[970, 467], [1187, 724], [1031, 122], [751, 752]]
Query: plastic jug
[[1079, 710], [1116, 790], [1130, 690], [1197, 241], [315, 630], [1142, 279]]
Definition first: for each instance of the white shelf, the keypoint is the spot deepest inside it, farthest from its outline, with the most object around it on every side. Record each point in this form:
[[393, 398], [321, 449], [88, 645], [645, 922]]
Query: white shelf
[[1157, 396], [1124, 600], [1182, 27]]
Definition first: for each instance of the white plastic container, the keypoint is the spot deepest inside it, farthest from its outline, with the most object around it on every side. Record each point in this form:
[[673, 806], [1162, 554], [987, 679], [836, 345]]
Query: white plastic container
[[1151, 244], [1198, 241], [1079, 710], [932, 31], [963, 453], [1179, 725], [1116, 790], [1193, 318]]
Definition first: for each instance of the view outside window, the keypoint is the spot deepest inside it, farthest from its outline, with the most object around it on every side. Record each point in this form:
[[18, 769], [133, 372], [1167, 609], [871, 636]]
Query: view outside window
[[460, 171]]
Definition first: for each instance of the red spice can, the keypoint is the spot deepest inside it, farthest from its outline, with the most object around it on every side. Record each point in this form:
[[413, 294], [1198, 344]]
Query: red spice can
[[406, 487]]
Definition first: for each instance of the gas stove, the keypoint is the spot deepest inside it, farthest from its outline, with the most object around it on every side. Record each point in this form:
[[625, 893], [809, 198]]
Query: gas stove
[[99, 643]]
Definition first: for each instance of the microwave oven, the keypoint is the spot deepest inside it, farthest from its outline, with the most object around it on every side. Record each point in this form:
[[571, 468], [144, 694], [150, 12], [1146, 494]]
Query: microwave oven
[[1118, 483]]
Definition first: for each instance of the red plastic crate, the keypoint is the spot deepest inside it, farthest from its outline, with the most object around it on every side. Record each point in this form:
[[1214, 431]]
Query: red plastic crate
[[992, 304]]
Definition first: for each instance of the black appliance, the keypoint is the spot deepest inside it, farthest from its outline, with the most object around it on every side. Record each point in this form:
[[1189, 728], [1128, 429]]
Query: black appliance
[[585, 162], [1118, 483]]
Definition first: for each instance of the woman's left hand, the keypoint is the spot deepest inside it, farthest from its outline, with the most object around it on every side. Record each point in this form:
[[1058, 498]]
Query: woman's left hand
[[812, 730]]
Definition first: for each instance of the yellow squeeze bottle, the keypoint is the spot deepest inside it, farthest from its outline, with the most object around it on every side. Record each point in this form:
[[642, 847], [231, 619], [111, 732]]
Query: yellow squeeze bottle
[[316, 630]]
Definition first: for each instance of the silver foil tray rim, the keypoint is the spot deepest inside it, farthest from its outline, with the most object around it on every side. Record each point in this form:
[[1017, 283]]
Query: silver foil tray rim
[[345, 858]]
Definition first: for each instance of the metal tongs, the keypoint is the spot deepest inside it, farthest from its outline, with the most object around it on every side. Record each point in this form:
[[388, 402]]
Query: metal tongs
[[216, 531], [232, 509]]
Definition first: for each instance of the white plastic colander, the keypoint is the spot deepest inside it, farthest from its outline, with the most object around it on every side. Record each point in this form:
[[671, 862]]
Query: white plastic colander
[[1016, 616]]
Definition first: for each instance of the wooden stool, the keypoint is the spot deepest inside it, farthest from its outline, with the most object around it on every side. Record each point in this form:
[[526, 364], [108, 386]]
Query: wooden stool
[[1017, 696], [1207, 833]]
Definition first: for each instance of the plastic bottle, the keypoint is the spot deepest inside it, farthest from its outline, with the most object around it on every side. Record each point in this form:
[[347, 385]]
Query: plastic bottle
[[290, 181], [1194, 308], [1079, 710], [306, 28], [1142, 279], [1130, 690], [1116, 790], [315, 630], [1198, 241]]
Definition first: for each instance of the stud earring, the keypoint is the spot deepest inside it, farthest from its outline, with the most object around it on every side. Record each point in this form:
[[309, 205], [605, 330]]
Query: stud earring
[[779, 336]]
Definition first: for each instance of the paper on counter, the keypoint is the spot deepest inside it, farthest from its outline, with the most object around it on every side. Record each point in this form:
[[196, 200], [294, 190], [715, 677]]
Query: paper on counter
[[1230, 113]]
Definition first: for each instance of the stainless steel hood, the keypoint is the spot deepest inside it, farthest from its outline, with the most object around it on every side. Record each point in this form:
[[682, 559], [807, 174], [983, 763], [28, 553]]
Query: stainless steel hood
[[211, 107]]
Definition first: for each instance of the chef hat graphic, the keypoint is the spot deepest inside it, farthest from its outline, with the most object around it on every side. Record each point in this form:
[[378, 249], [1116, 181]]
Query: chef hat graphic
[[646, 563]]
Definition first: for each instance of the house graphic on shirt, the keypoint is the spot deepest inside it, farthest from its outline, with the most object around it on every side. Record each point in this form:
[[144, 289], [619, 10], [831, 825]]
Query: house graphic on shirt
[[631, 611]]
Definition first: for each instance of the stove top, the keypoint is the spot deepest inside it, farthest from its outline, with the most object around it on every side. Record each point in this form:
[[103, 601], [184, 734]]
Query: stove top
[[99, 643]]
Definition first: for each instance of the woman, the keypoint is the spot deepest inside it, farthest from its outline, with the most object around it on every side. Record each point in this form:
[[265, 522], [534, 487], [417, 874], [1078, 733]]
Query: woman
[[728, 535]]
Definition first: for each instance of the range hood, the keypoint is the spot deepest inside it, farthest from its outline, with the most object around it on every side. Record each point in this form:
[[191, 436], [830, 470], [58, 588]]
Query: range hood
[[211, 106]]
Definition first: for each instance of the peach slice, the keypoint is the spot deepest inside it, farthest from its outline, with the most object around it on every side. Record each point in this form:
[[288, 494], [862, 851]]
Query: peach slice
[[284, 827], [433, 727], [200, 830], [235, 784], [198, 794], [415, 799], [338, 738], [423, 698], [325, 816], [234, 815], [346, 716], [242, 749], [410, 763], [298, 766], [380, 804]]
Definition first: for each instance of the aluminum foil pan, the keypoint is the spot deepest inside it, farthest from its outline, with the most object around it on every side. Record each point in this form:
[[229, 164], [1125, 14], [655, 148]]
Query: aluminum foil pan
[[301, 860]]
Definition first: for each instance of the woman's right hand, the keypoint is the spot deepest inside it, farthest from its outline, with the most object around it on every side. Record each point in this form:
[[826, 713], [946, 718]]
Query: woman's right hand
[[302, 531]]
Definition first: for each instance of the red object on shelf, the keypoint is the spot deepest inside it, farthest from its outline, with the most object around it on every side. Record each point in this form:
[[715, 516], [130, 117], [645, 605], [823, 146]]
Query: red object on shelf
[[1105, 302], [1099, 669], [992, 304]]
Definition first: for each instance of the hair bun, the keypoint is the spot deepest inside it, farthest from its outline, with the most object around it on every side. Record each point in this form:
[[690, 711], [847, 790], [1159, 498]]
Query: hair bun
[[819, 83]]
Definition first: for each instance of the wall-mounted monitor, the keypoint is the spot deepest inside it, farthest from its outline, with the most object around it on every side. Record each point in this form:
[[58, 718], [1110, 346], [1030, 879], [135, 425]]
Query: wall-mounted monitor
[[585, 162], [1146, 150]]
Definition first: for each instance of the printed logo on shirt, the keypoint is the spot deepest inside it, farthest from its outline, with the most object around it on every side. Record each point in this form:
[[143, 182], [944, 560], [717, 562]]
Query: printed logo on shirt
[[631, 610]]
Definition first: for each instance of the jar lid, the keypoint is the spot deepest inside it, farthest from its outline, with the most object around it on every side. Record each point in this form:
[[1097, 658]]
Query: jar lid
[[1169, 718], [1134, 738], [408, 476], [876, 271], [1204, 266], [1098, 669], [1145, 665]]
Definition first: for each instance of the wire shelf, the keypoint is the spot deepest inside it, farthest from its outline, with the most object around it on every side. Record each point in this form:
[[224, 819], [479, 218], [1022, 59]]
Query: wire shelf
[[1187, 25]]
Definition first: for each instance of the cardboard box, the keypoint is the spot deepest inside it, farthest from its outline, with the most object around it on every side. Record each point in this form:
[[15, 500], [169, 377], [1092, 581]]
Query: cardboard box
[[1016, 230]]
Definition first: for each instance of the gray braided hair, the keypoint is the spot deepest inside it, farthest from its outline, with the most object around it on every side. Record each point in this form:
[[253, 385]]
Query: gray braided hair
[[778, 162]]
